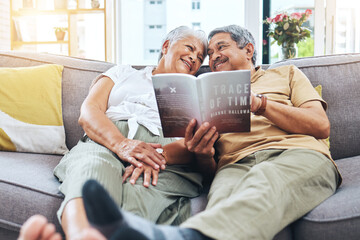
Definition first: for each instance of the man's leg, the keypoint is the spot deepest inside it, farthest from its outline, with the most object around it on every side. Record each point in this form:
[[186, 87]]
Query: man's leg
[[280, 188], [115, 224]]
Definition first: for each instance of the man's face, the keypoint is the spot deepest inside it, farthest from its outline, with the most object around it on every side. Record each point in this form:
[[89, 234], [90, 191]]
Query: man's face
[[225, 55]]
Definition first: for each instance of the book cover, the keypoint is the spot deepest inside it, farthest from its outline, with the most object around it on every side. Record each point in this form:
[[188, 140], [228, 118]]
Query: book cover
[[220, 98]]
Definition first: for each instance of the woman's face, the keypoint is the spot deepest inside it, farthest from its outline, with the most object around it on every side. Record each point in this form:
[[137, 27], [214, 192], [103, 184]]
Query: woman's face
[[182, 56]]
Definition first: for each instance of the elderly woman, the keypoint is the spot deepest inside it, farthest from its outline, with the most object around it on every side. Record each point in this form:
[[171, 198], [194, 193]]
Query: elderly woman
[[122, 135]]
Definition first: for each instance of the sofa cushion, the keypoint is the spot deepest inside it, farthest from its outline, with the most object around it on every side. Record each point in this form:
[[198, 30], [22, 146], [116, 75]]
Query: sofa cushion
[[77, 77], [30, 110], [338, 215], [28, 187], [340, 78]]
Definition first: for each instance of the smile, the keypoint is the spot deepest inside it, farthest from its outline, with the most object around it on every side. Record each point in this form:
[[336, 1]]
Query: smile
[[219, 62], [187, 64]]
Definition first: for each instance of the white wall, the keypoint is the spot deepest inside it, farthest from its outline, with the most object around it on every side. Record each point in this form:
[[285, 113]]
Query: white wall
[[5, 25]]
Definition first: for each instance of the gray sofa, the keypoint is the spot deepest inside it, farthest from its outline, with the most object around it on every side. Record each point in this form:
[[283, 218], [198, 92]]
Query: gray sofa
[[28, 187]]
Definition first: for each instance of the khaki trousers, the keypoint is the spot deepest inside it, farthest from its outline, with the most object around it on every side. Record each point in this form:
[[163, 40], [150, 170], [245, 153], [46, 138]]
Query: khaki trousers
[[166, 203], [261, 194]]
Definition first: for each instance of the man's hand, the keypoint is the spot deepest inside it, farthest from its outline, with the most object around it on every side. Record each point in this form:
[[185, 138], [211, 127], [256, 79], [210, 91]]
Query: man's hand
[[135, 173], [139, 153], [202, 145], [202, 142]]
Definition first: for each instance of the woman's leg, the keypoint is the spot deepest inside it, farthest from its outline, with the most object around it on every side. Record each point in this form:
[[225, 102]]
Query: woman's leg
[[74, 221], [87, 160]]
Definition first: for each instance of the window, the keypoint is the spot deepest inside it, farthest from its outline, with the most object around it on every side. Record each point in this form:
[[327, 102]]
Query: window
[[305, 48], [195, 5], [196, 25], [346, 31], [141, 27]]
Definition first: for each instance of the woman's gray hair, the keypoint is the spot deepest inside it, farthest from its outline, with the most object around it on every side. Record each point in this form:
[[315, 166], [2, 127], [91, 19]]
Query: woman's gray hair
[[184, 32], [239, 34]]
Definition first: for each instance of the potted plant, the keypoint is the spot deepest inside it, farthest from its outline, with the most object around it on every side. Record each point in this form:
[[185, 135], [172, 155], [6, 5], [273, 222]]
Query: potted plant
[[60, 33], [287, 30]]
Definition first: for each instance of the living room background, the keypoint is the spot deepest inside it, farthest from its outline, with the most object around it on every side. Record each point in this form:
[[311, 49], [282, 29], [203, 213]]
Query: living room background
[[129, 31]]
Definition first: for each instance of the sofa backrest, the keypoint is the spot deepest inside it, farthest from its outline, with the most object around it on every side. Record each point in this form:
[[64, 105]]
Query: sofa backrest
[[77, 77], [339, 76]]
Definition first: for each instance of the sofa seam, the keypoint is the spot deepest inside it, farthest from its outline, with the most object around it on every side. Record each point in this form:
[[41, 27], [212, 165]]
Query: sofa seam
[[330, 65], [11, 226], [30, 188], [331, 219]]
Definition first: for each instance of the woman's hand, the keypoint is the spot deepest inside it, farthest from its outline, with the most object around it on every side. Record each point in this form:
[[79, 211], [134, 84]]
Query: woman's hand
[[135, 173], [139, 153]]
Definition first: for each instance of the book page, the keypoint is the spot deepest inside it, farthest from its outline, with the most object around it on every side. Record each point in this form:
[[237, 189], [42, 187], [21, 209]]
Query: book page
[[226, 100], [177, 101]]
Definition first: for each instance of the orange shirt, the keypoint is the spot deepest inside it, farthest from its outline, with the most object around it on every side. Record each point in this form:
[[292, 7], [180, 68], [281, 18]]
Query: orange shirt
[[286, 85]]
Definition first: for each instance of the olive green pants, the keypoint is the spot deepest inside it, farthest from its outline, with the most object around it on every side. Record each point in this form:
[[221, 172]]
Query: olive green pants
[[166, 203], [261, 194]]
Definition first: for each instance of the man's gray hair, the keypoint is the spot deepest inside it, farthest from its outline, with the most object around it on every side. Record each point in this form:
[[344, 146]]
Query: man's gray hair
[[184, 32], [239, 34]]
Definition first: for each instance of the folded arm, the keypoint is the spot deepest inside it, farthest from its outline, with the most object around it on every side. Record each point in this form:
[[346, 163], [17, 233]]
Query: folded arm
[[101, 129], [309, 118]]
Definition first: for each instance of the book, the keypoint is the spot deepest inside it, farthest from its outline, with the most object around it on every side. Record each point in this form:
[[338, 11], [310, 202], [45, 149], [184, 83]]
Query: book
[[220, 98]]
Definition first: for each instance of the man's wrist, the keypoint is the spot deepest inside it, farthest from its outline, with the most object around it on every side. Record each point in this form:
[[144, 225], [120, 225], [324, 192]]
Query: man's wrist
[[262, 106]]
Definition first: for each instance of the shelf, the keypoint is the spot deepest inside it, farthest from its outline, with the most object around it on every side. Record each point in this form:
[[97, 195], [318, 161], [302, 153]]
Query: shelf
[[39, 42], [83, 23], [35, 12]]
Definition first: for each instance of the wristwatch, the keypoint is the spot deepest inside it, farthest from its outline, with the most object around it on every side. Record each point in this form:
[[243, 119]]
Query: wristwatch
[[262, 107]]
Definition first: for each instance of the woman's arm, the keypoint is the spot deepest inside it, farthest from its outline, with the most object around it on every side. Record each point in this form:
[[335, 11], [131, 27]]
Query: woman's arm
[[101, 129], [195, 148]]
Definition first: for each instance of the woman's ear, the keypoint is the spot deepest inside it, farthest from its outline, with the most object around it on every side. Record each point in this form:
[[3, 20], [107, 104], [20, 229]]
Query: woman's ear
[[165, 47]]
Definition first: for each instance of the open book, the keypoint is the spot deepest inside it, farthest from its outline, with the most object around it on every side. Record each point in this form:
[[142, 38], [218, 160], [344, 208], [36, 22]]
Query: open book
[[220, 98]]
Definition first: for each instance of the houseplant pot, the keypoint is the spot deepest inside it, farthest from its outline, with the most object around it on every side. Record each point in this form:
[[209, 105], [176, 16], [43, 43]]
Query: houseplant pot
[[60, 4], [60, 33]]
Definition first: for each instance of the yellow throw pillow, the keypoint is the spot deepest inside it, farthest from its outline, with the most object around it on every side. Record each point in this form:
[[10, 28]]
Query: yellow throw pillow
[[30, 109], [318, 88]]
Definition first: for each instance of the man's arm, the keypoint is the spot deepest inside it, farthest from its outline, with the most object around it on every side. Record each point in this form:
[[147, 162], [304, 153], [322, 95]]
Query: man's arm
[[309, 118]]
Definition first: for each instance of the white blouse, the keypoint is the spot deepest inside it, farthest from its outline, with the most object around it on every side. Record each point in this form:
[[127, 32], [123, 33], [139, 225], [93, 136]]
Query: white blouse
[[133, 99]]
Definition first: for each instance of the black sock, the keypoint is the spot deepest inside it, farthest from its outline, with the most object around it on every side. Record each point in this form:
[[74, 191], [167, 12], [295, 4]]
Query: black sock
[[115, 224]]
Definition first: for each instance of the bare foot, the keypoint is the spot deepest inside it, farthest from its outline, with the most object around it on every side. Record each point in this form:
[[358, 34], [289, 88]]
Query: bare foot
[[88, 234], [38, 228]]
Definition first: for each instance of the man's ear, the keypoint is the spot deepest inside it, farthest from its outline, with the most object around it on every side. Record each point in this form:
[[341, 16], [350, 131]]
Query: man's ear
[[165, 47], [249, 50]]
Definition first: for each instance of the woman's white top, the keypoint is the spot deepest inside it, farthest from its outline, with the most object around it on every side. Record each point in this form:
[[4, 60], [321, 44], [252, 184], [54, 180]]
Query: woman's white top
[[133, 99]]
